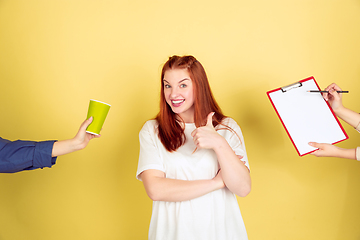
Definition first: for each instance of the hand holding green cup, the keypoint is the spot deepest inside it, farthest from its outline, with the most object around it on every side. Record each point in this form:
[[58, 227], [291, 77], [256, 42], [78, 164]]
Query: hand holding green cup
[[98, 110]]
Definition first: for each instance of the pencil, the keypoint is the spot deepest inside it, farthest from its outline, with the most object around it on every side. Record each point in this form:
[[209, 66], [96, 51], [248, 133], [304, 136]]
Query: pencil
[[327, 91]]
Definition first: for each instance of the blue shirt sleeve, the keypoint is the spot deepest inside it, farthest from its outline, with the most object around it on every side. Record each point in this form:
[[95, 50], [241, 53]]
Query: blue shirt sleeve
[[20, 155]]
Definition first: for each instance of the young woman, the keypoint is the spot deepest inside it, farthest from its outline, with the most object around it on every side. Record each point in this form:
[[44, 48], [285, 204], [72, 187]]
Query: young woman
[[192, 160], [352, 118]]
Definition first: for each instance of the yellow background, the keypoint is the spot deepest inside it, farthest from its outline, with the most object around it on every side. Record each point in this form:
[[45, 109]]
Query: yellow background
[[56, 55]]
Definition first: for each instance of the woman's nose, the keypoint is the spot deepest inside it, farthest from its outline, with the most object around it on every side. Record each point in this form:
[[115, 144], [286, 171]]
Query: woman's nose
[[174, 92]]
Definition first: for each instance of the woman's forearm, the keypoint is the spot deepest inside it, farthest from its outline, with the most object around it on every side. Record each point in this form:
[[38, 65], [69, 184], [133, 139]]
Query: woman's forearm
[[235, 174], [160, 188], [79, 142], [64, 147], [346, 153], [349, 116], [329, 150]]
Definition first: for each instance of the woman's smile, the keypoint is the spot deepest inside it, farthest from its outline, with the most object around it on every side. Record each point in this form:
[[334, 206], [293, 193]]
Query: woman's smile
[[177, 103]]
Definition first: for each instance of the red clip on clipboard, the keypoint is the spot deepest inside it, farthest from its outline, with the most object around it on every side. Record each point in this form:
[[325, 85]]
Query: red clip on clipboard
[[306, 117]]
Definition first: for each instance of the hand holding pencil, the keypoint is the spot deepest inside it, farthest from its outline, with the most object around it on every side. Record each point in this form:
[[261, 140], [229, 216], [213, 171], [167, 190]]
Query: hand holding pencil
[[333, 97]]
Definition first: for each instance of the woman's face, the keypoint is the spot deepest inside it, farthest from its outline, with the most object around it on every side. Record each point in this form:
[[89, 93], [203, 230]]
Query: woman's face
[[179, 94]]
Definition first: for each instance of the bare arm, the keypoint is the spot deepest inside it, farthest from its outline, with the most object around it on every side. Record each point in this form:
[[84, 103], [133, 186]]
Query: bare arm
[[79, 142], [328, 150], [335, 100], [349, 116], [160, 188], [235, 174]]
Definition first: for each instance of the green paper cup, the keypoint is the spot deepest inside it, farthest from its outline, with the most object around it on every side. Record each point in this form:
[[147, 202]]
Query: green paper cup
[[98, 110]]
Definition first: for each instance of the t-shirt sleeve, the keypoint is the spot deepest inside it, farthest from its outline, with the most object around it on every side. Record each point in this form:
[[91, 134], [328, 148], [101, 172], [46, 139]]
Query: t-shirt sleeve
[[236, 140], [149, 156]]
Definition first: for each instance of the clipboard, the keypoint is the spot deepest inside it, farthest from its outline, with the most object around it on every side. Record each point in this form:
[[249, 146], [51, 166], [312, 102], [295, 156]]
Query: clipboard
[[306, 116]]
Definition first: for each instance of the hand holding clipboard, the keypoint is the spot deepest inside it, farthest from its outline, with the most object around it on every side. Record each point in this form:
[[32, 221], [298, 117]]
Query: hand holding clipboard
[[306, 117]]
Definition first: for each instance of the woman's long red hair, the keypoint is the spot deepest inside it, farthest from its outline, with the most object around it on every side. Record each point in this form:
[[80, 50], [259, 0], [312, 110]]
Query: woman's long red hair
[[170, 131]]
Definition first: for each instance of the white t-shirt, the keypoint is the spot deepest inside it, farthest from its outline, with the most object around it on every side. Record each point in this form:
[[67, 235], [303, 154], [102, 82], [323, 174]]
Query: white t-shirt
[[214, 216]]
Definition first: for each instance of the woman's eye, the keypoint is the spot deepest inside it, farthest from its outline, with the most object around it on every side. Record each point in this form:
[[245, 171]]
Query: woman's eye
[[183, 85], [167, 86]]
